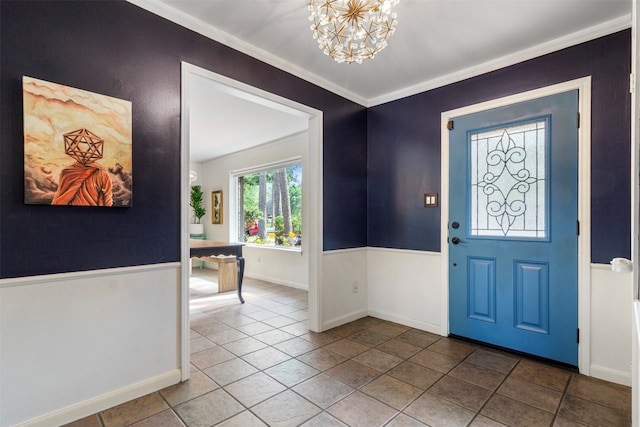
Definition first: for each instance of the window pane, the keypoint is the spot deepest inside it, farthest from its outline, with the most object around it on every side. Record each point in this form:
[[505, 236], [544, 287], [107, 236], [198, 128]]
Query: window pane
[[507, 181], [270, 207]]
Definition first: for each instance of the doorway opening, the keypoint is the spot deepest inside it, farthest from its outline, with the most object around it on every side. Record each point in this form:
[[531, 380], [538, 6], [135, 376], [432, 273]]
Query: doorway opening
[[311, 155]]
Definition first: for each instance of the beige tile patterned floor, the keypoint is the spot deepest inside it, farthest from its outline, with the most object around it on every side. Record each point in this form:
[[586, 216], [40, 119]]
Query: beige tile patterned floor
[[256, 364]]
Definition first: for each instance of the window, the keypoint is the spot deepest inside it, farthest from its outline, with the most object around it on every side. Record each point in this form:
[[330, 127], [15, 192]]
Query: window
[[270, 205]]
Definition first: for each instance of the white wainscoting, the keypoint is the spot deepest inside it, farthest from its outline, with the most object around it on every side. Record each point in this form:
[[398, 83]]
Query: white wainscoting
[[611, 317], [281, 266], [635, 402], [404, 287], [338, 303], [76, 343]]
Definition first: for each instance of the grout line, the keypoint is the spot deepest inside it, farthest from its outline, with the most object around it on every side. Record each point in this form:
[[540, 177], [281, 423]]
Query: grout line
[[494, 392], [263, 302]]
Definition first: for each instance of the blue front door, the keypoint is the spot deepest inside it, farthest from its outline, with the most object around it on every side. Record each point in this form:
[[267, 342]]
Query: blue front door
[[513, 244]]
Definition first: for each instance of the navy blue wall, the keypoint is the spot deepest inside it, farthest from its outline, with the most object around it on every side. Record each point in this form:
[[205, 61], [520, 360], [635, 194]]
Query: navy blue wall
[[404, 145], [119, 50], [377, 163]]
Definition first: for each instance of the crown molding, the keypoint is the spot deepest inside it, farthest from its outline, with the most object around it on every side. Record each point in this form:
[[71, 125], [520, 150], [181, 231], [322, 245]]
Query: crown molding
[[200, 27], [569, 40]]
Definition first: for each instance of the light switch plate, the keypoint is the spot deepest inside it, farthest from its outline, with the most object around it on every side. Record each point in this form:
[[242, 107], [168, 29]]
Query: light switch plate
[[431, 200]]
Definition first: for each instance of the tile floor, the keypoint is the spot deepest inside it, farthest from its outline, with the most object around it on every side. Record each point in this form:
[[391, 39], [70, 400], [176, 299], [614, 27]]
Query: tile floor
[[257, 364]]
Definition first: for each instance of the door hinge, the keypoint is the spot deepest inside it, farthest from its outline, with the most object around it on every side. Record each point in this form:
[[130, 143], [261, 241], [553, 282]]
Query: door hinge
[[450, 125], [632, 83], [578, 335], [578, 120], [577, 228]]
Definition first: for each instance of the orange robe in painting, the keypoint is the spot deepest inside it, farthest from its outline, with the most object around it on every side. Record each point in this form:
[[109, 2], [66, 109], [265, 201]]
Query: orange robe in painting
[[84, 185]]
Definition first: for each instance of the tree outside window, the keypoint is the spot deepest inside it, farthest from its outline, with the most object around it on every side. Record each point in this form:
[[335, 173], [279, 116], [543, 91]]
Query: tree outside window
[[270, 207]]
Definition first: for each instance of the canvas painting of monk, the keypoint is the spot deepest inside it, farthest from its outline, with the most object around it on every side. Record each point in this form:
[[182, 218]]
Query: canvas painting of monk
[[77, 146]]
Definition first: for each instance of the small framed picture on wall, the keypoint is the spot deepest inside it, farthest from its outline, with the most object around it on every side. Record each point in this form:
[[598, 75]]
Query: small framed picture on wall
[[216, 207]]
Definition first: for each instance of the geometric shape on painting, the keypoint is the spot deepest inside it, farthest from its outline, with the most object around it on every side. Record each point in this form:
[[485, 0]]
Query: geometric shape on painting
[[532, 296], [507, 181], [481, 288], [83, 145]]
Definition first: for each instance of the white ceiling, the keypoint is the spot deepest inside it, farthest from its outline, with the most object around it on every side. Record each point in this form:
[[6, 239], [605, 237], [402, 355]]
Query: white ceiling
[[224, 120], [436, 42]]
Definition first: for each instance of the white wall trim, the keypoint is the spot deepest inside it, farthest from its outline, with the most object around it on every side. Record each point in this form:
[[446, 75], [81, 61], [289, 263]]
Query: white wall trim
[[611, 375], [336, 252], [76, 319], [283, 249], [100, 403], [312, 218], [598, 266], [569, 40], [635, 213], [55, 279], [185, 214], [405, 251], [341, 320], [583, 85], [403, 286], [234, 42], [611, 319], [635, 381], [393, 317], [341, 269], [276, 281]]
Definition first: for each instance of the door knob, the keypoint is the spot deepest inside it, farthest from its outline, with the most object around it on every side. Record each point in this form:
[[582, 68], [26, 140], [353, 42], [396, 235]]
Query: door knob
[[456, 240]]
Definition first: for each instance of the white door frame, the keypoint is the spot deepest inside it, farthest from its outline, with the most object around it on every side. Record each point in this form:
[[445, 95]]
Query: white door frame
[[311, 204], [635, 214], [583, 85]]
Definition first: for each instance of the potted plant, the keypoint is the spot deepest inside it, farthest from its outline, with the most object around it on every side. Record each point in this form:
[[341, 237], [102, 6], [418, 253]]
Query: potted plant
[[197, 204]]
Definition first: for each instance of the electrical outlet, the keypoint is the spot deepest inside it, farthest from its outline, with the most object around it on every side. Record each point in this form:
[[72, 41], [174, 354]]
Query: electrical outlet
[[355, 287]]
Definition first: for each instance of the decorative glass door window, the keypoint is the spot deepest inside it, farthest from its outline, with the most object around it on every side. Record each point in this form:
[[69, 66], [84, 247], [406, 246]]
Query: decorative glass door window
[[508, 183]]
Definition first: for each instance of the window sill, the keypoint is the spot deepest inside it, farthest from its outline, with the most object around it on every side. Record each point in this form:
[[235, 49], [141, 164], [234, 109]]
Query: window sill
[[274, 248]]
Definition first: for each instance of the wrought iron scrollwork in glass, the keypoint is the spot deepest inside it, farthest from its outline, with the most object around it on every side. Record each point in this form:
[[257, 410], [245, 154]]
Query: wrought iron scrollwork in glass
[[507, 179]]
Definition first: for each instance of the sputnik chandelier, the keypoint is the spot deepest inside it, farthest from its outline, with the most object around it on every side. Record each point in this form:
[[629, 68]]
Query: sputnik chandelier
[[352, 30]]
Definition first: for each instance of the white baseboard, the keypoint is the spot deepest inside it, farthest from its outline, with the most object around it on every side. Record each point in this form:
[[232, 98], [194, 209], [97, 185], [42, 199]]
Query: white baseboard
[[302, 286], [423, 326], [106, 401], [277, 281], [341, 320], [611, 375]]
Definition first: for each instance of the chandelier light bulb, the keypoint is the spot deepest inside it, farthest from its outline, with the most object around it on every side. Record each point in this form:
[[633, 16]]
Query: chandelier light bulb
[[352, 30]]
